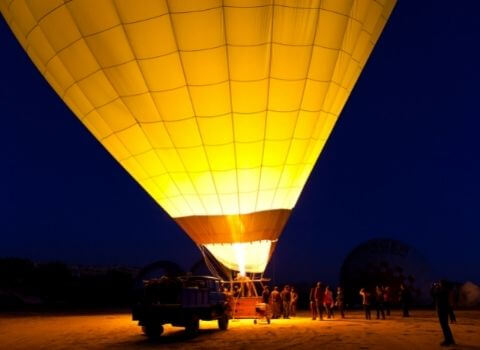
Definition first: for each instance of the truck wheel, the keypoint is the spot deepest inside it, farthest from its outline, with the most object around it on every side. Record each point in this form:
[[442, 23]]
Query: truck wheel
[[152, 330], [193, 325], [223, 322]]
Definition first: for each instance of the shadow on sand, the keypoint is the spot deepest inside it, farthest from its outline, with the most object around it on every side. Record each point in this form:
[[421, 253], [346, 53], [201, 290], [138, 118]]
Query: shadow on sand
[[142, 342]]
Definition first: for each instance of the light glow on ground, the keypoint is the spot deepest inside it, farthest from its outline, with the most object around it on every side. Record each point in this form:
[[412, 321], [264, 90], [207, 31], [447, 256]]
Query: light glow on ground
[[118, 331]]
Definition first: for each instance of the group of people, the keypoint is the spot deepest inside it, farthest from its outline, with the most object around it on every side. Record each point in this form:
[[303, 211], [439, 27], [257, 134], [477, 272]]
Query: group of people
[[382, 299], [282, 303], [322, 301]]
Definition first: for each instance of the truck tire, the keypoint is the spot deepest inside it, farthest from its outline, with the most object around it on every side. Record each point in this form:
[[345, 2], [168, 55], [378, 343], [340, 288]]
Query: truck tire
[[223, 322], [192, 326], [152, 330]]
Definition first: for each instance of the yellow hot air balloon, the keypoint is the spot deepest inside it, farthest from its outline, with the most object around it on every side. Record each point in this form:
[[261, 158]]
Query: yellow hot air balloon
[[218, 109]]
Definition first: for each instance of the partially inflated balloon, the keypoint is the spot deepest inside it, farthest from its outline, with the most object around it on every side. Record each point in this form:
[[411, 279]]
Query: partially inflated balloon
[[219, 109]]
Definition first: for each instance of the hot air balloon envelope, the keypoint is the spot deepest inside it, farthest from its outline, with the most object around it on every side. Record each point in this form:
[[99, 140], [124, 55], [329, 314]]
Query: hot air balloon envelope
[[218, 109]]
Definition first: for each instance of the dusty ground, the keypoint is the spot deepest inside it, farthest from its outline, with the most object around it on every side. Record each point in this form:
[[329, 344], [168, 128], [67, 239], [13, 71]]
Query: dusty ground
[[117, 331]]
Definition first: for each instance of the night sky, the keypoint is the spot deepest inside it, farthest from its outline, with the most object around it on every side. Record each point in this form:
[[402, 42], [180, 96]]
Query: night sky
[[402, 162]]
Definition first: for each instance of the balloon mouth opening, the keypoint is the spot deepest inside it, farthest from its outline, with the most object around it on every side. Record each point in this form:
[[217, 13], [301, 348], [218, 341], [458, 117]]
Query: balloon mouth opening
[[244, 257]]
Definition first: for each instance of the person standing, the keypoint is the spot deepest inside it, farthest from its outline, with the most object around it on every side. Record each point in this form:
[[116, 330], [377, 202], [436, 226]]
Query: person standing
[[440, 293], [387, 299], [265, 295], [366, 302], [379, 302], [340, 301], [286, 300], [452, 302], [328, 302], [293, 303], [313, 306], [229, 299], [319, 294], [276, 303], [405, 299], [241, 279], [236, 291]]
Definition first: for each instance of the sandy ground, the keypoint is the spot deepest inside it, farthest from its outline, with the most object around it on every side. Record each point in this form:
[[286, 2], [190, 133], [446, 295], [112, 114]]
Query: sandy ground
[[117, 331]]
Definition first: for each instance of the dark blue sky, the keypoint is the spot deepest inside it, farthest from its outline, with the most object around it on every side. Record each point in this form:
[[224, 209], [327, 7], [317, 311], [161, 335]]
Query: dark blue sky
[[402, 162]]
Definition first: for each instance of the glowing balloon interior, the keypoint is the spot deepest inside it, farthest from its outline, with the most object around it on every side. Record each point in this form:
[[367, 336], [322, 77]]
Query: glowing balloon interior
[[218, 109]]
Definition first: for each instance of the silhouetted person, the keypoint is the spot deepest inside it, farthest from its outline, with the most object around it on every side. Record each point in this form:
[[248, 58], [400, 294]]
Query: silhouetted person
[[328, 302], [286, 299], [276, 303], [313, 306], [241, 285], [229, 298], [266, 295], [340, 301], [440, 293], [246, 285], [236, 291], [387, 299], [405, 300], [366, 302], [379, 302], [452, 302], [318, 295], [293, 303]]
